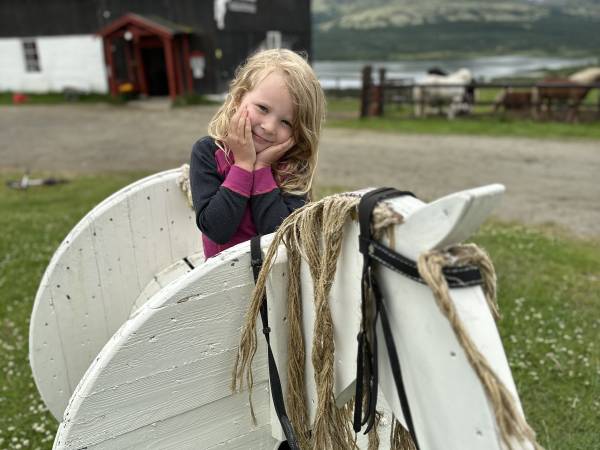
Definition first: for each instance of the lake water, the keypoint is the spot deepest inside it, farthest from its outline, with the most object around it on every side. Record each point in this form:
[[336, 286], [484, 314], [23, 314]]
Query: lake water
[[346, 74]]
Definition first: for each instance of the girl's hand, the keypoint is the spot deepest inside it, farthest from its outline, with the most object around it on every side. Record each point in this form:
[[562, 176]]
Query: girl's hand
[[239, 140], [272, 154]]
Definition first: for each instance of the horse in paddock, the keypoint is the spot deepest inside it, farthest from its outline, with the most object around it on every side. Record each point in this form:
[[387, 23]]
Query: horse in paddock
[[568, 92], [133, 335], [513, 100], [444, 91]]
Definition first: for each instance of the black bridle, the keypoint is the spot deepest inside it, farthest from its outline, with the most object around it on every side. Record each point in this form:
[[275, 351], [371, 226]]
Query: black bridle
[[373, 308], [275, 382], [366, 367]]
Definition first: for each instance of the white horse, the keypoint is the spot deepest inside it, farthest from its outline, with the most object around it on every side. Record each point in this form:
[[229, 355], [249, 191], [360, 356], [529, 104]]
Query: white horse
[[444, 91], [162, 376]]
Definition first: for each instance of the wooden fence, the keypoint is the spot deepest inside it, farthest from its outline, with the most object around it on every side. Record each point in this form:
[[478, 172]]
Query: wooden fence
[[537, 99]]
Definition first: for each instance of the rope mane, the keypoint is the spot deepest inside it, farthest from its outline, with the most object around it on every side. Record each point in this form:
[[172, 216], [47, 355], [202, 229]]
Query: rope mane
[[314, 233]]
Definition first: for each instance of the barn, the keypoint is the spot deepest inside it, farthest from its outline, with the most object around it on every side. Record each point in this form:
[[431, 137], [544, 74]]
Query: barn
[[149, 47]]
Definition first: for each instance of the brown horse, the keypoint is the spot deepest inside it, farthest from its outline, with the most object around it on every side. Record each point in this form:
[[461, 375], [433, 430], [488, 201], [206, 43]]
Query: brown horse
[[511, 100], [569, 92]]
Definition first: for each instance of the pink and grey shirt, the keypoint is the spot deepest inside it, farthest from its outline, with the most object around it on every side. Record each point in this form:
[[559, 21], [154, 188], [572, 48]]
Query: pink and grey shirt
[[232, 205]]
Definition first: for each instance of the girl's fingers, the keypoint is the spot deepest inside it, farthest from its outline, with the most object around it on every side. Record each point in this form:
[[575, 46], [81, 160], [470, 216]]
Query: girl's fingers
[[248, 129], [241, 124], [289, 143], [285, 146]]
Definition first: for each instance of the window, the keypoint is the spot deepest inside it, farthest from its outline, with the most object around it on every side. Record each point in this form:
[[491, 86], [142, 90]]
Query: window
[[32, 60]]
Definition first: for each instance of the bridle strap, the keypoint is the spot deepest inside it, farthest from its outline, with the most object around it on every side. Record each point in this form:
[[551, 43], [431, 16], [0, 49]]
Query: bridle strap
[[275, 381], [367, 363], [456, 277], [367, 369]]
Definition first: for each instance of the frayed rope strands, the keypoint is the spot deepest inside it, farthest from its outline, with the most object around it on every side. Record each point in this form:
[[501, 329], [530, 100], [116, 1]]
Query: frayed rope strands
[[400, 438], [509, 419], [183, 181], [314, 233]]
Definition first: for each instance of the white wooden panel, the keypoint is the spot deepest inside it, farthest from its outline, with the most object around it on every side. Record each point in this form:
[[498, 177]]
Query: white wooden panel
[[46, 351], [78, 304], [308, 318], [115, 259], [276, 289], [94, 278], [441, 386], [209, 426], [197, 258], [175, 355], [149, 239], [181, 221]]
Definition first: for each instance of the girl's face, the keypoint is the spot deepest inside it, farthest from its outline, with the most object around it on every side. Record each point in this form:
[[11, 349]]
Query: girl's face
[[270, 110]]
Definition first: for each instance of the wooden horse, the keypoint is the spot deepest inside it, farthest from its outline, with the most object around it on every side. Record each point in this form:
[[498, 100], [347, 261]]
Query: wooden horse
[[162, 377]]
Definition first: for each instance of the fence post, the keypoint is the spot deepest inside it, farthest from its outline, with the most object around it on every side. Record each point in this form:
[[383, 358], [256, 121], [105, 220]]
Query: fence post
[[365, 95], [381, 92]]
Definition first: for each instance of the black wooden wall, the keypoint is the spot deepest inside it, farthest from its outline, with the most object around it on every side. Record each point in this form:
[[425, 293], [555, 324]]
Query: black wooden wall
[[59, 17], [243, 32]]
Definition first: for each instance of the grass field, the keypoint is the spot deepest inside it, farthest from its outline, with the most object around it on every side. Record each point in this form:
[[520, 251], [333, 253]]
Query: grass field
[[344, 113], [54, 98], [549, 294]]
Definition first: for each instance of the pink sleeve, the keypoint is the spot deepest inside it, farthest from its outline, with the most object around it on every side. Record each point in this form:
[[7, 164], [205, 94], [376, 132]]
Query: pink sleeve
[[263, 181], [239, 180]]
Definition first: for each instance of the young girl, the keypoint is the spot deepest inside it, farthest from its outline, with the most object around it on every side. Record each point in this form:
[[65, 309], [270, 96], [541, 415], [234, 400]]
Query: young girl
[[258, 162]]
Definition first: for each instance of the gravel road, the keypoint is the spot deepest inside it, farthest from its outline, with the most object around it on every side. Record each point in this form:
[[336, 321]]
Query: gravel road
[[547, 181]]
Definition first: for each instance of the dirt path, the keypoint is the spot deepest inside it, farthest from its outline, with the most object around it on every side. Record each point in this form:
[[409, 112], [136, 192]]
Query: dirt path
[[547, 181]]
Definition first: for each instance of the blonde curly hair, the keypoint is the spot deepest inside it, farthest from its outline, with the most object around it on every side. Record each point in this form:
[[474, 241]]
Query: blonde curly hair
[[295, 171]]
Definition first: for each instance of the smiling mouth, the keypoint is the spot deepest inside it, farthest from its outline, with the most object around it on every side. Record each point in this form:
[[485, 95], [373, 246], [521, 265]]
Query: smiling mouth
[[261, 139]]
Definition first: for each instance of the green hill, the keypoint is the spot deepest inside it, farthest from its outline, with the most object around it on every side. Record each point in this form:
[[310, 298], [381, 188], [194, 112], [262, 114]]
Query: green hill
[[379, 29]]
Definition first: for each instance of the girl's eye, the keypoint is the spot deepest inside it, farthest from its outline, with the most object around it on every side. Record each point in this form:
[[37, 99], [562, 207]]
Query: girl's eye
[[286, 123], [263, 108]]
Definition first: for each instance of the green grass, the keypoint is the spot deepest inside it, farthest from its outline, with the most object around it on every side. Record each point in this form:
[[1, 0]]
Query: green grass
[[55, 98], [549, 294], [33, 223], [343, 113]]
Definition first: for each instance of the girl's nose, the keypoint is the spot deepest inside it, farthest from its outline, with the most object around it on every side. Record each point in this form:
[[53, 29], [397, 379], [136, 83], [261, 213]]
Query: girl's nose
[[268, 124]]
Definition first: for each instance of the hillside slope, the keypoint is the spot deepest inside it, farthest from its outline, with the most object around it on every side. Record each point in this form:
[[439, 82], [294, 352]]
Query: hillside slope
[[383, 29]]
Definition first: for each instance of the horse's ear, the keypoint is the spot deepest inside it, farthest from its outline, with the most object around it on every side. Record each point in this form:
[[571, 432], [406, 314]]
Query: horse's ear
[[449, 220]]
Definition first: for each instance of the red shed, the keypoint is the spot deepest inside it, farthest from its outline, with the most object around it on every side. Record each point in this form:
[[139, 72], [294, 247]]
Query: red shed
[[147, 54]]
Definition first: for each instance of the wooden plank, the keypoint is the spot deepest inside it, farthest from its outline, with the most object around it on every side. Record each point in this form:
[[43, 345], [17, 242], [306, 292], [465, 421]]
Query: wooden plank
[[148, 225], [115, 261], [224, 423], [185, 238], [78, 305], [173, 272], [92, 280], [175, 355], [276, 288], [46, 351]]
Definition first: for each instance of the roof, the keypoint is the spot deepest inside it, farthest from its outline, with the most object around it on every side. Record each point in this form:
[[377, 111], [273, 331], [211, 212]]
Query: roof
[[154, 24]]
